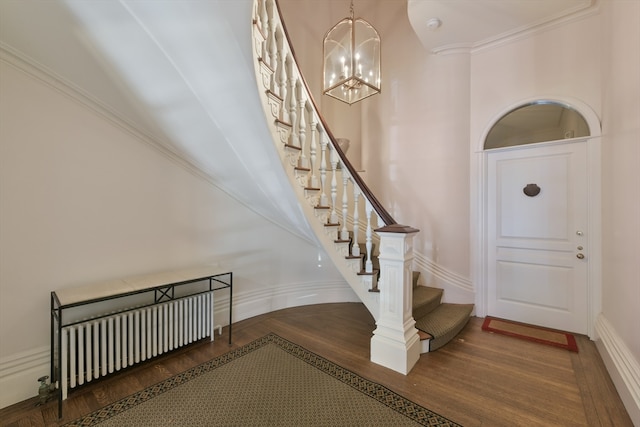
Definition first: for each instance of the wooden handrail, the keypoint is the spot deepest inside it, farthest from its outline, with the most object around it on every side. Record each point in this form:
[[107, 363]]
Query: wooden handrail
[[384, 215]]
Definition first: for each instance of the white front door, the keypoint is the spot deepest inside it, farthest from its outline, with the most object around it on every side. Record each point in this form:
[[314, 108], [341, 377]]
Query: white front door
[[537, 240]]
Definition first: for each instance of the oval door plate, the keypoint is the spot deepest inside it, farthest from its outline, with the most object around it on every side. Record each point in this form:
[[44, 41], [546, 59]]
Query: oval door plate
[[531, 190]]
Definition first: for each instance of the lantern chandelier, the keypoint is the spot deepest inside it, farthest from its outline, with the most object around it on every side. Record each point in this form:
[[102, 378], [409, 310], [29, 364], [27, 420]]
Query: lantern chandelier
[[351, 60]]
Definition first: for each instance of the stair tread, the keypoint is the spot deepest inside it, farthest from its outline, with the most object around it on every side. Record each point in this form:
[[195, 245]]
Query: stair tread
[[424, 294], [444, 323], [425, 300]]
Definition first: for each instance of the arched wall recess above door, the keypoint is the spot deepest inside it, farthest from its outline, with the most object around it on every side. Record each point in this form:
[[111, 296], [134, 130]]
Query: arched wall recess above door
[[537, 121]]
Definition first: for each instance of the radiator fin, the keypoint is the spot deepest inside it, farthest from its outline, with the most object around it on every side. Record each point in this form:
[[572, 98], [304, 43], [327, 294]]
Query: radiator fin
[[99, 347]]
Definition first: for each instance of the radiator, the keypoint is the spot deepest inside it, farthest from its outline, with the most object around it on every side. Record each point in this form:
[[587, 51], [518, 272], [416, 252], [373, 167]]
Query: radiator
[[98, 347]]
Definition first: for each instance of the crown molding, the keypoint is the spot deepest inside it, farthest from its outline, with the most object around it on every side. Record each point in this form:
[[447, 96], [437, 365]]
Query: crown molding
[[558, 20]]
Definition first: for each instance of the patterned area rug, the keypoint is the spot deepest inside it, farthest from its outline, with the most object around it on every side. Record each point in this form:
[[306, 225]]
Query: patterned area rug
[[531, 333], [269, 382]]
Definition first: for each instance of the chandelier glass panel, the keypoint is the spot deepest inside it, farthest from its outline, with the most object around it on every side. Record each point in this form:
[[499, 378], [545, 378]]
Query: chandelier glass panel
[[351, 60]]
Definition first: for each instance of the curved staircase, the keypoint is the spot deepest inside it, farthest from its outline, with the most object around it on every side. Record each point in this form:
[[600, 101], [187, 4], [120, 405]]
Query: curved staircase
[[346, 217]]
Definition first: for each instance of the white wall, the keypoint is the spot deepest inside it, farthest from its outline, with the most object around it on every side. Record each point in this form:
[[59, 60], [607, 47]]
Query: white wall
[[417, 136], [620, 323], [414, 134], [561, 62], [621, 170], [82, 200]]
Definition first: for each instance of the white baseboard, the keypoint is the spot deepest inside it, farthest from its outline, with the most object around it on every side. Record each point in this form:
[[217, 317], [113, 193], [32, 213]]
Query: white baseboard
[[19, 375], [623, 368], [19, 372], [255, 303]]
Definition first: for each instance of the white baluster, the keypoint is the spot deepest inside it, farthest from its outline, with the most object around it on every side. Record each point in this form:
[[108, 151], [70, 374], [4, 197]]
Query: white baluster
[[344, 232], [282, 80], [271, 57], [313, 178], [257, 22], [323, 169], [263, 18], [355, 247], [334, 185], [302, 126], [293, 103], [368, 265]]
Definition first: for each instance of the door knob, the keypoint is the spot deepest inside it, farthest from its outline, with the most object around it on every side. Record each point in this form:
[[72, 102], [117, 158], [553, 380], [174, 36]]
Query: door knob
[[580, 256]]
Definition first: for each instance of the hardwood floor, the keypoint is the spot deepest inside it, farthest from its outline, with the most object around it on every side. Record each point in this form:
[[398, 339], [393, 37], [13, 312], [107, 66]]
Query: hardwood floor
[[478, 379]]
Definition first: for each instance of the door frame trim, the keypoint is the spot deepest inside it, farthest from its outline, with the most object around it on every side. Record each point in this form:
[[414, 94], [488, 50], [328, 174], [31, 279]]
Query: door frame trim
[[479, 207]]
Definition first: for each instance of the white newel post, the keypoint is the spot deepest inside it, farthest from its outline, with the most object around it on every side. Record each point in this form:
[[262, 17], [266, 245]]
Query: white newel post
[[395, 343]]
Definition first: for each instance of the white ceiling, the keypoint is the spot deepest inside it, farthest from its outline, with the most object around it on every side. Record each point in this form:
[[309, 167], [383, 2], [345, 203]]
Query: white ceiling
[[473, 24]]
